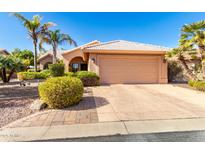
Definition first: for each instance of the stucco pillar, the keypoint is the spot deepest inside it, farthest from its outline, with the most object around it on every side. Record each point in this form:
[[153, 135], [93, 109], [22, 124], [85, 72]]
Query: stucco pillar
[[163, 71], [93, 64]]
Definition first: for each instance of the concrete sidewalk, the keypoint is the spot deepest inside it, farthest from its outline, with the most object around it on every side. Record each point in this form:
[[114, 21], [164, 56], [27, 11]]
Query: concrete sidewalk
[[100, 129]]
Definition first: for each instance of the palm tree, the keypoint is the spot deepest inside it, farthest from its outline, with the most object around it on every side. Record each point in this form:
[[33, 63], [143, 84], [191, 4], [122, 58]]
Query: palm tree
[[9, 65], [55, 38], [194, 35], [35, 29]]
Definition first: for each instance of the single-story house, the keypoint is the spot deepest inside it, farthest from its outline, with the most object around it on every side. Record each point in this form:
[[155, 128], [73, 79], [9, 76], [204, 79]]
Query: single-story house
[[4, 52], [47, 58], [119, 61]]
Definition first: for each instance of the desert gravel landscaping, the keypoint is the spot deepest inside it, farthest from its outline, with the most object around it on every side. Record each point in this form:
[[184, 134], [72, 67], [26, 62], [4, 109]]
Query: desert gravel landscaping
[[15, 102]]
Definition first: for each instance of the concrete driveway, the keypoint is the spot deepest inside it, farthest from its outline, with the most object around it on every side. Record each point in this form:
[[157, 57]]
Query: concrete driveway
[[120, 103], [147, 102]]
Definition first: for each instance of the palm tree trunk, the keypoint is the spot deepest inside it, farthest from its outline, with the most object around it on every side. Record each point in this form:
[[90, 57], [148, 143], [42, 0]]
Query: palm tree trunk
[[3, 75], [35, 54], [188, 71], [10, 74], [202, 54], [54, 53]]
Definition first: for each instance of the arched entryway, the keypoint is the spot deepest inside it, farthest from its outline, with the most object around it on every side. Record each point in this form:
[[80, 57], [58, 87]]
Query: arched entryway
[[45, 66], [77, 64]]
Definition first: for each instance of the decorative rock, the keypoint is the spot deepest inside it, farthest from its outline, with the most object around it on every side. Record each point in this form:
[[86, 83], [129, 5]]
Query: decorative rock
[[38, 105]]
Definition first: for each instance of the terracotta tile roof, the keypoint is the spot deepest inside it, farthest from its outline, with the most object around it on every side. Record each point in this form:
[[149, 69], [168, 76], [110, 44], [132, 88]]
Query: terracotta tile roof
[[127, 45], [82, 46]]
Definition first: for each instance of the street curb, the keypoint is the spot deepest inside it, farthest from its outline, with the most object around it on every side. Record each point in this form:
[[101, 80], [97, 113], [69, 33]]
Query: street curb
[[100, 129]]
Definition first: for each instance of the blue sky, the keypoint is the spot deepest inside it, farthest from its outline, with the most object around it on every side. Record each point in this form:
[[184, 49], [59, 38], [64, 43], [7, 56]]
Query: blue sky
[[155, 28]]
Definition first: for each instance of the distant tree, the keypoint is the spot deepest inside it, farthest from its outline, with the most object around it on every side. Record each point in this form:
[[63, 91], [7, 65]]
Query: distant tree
[[35, 29], [9, 65], [55, 38], [25, 55]]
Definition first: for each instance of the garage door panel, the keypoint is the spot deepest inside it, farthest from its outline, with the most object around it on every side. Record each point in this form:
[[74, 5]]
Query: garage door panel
[[129, 69]]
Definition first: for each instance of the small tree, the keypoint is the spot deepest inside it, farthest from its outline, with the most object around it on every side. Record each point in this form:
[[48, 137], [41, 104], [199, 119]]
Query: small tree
[[25, 55], [9, 65]]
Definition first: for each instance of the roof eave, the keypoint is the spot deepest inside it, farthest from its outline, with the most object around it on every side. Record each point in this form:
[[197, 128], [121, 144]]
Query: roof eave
[[125, 51], [80, 47], [44, 56]]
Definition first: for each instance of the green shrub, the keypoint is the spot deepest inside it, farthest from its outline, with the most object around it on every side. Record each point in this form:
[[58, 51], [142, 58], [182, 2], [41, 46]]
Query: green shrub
[[61, 92], [46, 73], [88, 78], [33, 75], [199, 85], [57, 69], [26, 75], [191, 83], [30, 70], [69, 74]]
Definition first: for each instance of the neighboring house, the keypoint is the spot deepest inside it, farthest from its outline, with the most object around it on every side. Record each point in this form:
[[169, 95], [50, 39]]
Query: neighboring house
[[119, 61], [4, 52], [47, 59]]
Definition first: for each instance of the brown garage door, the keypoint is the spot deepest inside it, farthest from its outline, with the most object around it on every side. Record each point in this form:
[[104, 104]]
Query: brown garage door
[[129, 69]]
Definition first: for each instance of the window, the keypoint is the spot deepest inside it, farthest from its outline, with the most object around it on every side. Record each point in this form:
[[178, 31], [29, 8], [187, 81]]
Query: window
[[79, 67], [75, 67]]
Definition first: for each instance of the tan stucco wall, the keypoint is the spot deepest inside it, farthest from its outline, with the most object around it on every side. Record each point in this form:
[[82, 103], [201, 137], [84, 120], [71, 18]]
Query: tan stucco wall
[[93, 65], [78, 52], [69, 56], [45, 60], [162, 68]]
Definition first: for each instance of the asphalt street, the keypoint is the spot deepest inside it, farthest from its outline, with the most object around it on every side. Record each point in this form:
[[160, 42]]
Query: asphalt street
[[191, 136]]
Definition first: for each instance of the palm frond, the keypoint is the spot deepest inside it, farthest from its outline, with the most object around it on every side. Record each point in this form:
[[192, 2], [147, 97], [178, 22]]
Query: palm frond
[[66, 37], [26, 22], [47, 25]]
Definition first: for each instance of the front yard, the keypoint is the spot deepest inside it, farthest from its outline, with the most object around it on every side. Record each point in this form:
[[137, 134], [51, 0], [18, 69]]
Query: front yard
[[110, 103], [15, 102]]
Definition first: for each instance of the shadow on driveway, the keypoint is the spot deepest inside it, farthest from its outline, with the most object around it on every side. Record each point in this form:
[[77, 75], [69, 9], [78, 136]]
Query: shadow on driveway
[[89, 101]]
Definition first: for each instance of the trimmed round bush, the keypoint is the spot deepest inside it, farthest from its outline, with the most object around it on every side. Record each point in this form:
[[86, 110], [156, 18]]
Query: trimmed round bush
[[88, 78], [61, 92], [57, 69]]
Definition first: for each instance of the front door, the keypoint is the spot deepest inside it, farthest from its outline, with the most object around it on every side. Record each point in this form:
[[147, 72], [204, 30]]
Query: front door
[[79, 67], [83, 67]]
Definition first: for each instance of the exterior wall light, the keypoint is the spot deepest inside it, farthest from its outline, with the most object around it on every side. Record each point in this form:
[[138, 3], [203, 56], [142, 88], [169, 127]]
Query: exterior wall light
[[93, 60], [164, 60]]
